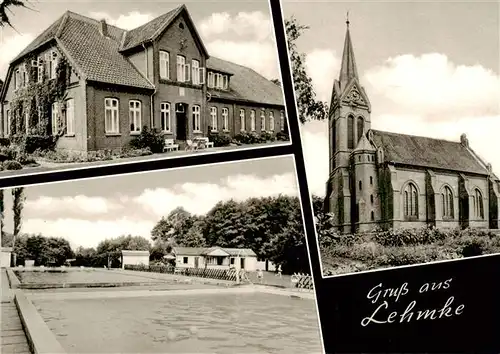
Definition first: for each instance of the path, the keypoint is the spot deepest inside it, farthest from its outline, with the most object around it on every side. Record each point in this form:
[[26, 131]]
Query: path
[[12, 340], [65, 166]]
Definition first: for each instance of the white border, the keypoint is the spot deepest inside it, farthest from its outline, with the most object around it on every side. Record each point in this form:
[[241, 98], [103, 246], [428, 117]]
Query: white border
[[118, 163], [289, 156]]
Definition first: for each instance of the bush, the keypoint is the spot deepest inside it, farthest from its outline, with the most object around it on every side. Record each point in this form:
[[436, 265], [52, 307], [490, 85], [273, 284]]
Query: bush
[[7, 153], [247, 138], [282, 136], [267, 136], [151, 139], [12, 165], [4, 141], [219, 139], [31, 143]]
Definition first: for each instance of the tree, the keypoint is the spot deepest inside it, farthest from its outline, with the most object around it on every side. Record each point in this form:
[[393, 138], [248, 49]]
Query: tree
[[17, 208], [5, 6], [307, 105], [225, 225], [180, 228]]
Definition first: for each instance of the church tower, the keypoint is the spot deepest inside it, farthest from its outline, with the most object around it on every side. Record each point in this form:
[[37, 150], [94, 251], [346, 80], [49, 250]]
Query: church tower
[[349, 121]]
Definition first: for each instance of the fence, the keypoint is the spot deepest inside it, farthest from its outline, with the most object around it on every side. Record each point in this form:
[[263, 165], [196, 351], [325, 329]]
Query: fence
[[302, 281], [220, 274]]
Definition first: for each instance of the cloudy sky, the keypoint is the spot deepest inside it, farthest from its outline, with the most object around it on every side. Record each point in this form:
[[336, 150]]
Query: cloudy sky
[[88, 211], [429, 69], [239, 31]]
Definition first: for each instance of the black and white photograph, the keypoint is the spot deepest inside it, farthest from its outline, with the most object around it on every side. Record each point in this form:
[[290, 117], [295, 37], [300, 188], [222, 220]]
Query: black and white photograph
[[399, 105], [91, 83], [173, 261]]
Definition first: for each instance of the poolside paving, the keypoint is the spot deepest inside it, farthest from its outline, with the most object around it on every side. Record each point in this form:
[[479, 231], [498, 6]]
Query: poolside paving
[[12, 337]]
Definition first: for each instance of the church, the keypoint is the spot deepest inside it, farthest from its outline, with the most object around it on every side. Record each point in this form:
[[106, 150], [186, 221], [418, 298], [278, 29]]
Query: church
[[384, 180]]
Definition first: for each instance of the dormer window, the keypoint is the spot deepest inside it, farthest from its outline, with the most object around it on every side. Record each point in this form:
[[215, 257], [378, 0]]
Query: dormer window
[[218, 81]]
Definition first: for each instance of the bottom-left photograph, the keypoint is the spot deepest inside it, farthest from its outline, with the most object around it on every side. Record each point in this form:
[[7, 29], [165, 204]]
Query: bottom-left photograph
[[204, 259]]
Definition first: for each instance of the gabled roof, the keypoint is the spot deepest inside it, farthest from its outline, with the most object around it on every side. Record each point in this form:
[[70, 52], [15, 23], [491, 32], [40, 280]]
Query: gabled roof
[[246, 84], [97, 57], [427, 152], [154, 28]]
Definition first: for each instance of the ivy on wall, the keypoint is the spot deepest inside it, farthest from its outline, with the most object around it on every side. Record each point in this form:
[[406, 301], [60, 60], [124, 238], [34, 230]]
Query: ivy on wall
[[36, 99]]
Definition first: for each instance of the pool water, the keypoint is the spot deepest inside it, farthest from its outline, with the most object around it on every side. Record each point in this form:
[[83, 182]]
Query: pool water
[[222, 323], [80, 276]]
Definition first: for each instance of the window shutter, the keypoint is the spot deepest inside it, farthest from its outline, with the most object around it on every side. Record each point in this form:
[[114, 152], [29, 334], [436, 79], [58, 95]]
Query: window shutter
[[202, 76], [187, 74]]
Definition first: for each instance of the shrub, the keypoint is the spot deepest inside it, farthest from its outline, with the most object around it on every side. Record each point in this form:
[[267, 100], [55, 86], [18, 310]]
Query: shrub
[[25, 159], [282, 136], [248, 138], [31, 143], [148, 138], [219, 139], [7, 153], [267, 136], [12, 165], [4, 141]]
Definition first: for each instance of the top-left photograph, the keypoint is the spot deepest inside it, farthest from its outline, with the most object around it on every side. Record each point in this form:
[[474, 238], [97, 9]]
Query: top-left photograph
[[93, 83]]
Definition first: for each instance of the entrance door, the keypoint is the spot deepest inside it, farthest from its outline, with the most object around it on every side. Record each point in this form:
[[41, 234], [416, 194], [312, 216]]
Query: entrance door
[[196, 260], [242, 263], [181, 119]]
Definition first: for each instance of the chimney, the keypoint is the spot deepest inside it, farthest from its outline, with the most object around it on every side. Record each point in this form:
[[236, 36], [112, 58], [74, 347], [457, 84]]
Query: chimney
[[103, 28], [464, 141]]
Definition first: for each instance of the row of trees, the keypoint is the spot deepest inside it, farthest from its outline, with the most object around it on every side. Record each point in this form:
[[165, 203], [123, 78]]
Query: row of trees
[[18, 199], [271, 226]]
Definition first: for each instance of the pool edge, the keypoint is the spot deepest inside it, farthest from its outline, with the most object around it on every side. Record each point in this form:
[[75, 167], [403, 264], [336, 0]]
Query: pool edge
[[41, 339], [14, 281]]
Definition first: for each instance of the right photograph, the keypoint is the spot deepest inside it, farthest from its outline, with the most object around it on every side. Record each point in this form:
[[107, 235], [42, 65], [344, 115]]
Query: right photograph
[[400, 117]]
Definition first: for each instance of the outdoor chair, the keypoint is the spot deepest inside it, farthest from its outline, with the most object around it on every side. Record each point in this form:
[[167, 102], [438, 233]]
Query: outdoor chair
[[190, 145], [170, 145], [209, 144]]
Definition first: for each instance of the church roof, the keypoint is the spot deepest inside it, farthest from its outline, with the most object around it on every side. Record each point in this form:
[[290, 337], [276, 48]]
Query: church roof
[[427, 152], [348, 69], [364, 144]]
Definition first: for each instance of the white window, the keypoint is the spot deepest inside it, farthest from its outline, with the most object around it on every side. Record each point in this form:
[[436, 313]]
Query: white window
[[271, 121], [7, 128], [252, 120], [242, 119], [183, 72], [70, 117], [17, 79], [164, 65], [211, 79], [195, 67], [53, 64], [220, 81], [196, 119], [55, 118], [282, 121], [134, 113], [225, 119], [225, 84], [213, 117], [27, 121], [111, 116], [263, 120], [202, 76], [40, 70], [165, 116], [216, 80]]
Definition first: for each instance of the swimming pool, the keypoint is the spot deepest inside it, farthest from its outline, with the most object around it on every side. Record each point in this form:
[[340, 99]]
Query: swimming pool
[[209, 323]]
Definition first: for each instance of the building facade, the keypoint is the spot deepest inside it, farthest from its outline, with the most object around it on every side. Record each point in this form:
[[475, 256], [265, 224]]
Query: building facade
[[215, 258], [116, 82], [384, 180], [134, 258]]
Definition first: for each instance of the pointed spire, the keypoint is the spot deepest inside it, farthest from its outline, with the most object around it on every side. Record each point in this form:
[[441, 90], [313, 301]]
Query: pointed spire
[[348, 69]]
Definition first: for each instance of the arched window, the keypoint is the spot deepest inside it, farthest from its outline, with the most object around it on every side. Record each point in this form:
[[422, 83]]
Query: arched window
[[372, 215], [411, 201], [350, 132], [447, 201], [360, 126], [371, 198], [478, 206], [371, 180], [360, 185]]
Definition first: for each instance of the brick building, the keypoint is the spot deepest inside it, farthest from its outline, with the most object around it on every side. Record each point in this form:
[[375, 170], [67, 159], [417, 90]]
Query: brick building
[[158, 75], [388, 180]]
